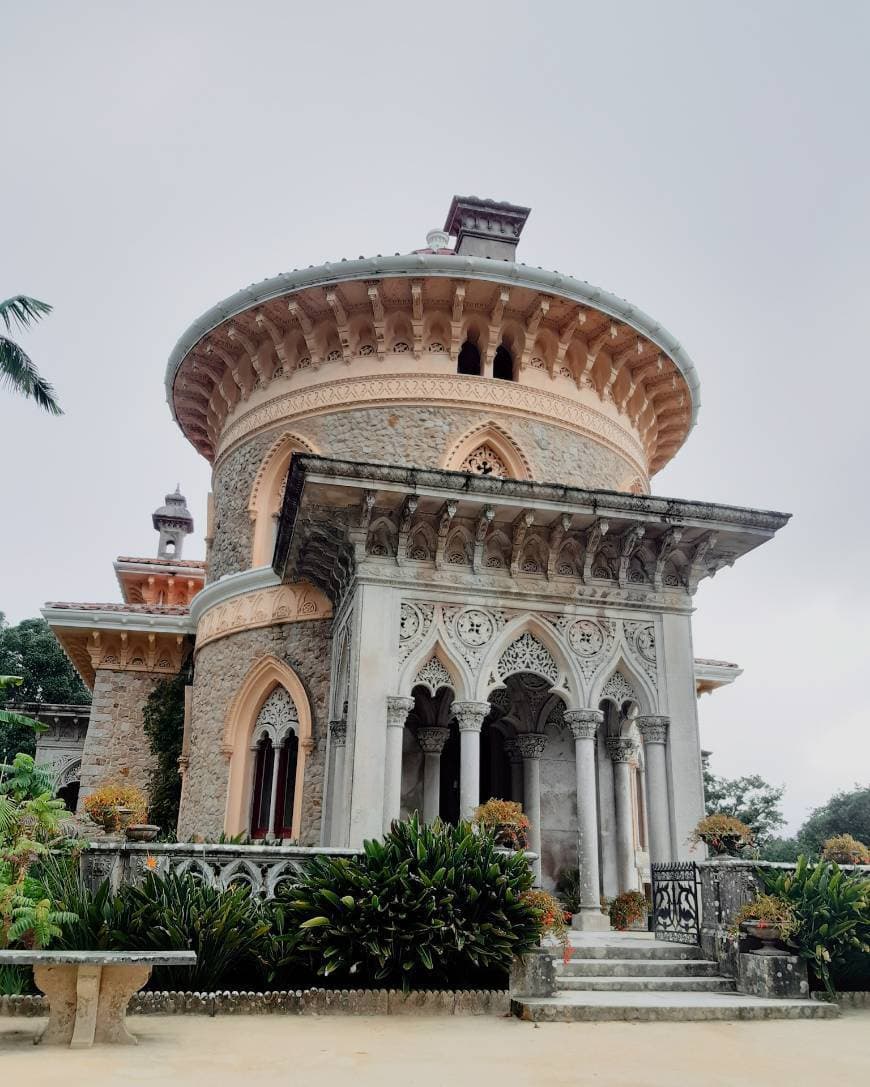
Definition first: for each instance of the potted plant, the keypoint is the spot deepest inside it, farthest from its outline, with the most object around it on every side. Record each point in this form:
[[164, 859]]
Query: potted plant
[[724, 835], [503, 819], [627, 909], [552, 918], [769, 919], [844, 849], [115, 805]]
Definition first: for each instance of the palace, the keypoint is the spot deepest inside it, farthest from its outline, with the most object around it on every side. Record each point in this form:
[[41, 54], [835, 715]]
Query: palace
[[435, 572]]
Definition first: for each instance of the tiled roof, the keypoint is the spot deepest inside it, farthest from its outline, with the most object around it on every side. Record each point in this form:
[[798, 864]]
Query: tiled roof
[[136, 609], [192, 564]]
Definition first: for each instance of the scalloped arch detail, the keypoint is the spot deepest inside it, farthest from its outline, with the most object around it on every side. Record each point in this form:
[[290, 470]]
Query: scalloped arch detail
[[267, 490], [499, 441]]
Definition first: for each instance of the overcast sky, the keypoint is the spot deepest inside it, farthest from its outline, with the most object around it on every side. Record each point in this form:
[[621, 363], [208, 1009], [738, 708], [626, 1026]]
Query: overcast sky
[[707, 161]]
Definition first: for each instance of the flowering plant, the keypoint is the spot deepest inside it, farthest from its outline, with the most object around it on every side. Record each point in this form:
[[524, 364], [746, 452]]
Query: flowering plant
[[723, 834], [627, 909], [504, 819], [552, 918], [105, 803]]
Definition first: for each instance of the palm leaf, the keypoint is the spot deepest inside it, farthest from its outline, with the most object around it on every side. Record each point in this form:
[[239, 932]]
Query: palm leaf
[[21, 311], [19, 373]]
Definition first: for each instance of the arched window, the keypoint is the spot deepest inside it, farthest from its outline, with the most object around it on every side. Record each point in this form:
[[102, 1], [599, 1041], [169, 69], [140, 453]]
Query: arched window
[[503, 364], [469, 360], [276, 751]]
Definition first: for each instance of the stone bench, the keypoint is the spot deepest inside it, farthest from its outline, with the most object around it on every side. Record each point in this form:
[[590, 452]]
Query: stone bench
[[88, 991]]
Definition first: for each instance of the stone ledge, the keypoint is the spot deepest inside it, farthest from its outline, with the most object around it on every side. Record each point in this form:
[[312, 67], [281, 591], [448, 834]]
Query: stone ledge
[[296, 1002]]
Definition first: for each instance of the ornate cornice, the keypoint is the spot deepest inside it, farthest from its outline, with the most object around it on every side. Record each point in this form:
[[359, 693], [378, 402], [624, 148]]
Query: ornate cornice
[[481, 394]]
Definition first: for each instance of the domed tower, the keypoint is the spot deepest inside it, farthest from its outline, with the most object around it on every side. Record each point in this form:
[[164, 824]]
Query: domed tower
[[173, 521], [436, 571]]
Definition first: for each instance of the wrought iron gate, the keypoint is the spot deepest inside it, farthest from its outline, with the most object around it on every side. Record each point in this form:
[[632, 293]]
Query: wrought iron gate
[[676, 902]]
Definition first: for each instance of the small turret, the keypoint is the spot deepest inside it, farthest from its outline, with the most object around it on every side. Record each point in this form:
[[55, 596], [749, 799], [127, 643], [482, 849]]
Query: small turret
[[173, 521]]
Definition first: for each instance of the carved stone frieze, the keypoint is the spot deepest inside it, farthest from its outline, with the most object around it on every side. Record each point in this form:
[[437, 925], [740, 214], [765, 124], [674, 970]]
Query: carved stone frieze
[[591, 640], [640, 639], [266, 607], [619, 690], [470, 630], [415, 621], [527, 654]]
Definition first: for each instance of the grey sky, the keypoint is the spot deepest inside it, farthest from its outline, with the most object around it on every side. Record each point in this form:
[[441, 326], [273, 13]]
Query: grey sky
[[709, 162]]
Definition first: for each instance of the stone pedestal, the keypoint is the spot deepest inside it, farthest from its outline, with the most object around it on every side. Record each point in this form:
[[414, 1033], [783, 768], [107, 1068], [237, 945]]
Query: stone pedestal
[[782, 977], [533, 974], [88, 1003]]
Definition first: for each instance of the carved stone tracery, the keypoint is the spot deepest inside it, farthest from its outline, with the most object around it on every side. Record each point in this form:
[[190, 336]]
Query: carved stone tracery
[[433, 675], [527, 654], [278, 717]]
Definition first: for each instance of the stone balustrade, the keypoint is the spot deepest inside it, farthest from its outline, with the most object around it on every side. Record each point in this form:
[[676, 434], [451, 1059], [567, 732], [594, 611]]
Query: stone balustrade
[[262, 867]]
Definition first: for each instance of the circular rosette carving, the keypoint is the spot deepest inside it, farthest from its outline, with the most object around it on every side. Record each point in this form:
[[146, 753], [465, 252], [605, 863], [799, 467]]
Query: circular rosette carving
[[475, 628], [586, 638]]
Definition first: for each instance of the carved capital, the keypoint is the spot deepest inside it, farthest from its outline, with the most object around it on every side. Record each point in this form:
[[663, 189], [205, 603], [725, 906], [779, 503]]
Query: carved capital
[[432, 739], [338, 733], [654, 729], [584, 724], [531, 745], [398, 709], [512, 751], [621, 749], [470, 715]]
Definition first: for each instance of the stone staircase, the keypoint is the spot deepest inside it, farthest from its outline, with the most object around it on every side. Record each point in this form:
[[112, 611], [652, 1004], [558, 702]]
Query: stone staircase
[[628, 976]]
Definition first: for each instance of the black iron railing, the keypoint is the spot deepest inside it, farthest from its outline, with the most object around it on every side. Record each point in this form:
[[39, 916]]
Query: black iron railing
[[676, 902]]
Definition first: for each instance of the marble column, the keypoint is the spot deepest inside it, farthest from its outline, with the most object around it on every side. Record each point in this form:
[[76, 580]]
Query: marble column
[[654, 730], [432, 740], [338, 744], [516, 764], [584, 725], [470, 717], [398, 709], [621, 750], [271, 830], [531, 746]]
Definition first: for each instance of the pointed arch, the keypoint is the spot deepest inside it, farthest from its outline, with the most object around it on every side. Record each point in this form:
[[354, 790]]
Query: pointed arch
[[433, 648], [264, 676], [491, 435], [646, 700], [267, 491], [561, 673]]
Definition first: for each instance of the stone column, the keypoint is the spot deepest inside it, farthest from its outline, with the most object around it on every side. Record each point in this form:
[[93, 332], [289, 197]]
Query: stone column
[[655, 737], [584, 725], [398, 709], [621, 751], [273, 798], [516, 761], [470, 717], [531, 746], [432, 740], [338, 743]]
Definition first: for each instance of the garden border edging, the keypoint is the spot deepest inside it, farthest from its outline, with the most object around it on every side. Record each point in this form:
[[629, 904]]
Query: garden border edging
[[296, 1002]]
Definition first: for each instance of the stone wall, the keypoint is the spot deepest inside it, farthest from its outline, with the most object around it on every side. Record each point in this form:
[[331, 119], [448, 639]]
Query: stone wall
[[220, 670], [402, 434], [116, 745]]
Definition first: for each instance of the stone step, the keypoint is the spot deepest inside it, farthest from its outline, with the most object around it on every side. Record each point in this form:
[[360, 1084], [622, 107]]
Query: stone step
[[641, 984], [642, 949], [570, 1007], [627, 968]]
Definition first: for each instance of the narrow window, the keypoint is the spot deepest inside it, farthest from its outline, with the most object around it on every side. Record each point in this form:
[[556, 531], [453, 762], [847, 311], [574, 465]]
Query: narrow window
[[469, 360], [262, 790], [503, 364], [288, 753]]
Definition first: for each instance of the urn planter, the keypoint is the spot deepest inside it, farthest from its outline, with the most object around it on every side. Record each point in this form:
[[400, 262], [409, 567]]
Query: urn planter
[[141, 832], [769, 935]]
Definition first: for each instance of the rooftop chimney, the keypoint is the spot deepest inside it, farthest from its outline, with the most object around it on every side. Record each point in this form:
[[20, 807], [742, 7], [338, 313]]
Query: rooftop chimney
[[485, 228]]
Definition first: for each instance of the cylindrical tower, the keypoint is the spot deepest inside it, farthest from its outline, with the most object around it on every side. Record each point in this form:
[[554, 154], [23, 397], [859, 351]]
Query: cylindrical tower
[[458, 358]]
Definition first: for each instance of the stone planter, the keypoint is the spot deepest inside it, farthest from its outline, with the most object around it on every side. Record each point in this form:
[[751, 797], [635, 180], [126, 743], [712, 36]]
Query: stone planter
[[533, 974], [141, 832], [767, 934]]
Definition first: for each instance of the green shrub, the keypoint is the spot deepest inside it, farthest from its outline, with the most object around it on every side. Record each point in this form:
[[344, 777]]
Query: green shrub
[[770, 910], [832, 910], [569, 890], [430, 906], [844, 849]]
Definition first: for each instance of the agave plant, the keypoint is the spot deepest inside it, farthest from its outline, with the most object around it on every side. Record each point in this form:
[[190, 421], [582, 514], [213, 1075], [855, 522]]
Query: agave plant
[[428, 906]]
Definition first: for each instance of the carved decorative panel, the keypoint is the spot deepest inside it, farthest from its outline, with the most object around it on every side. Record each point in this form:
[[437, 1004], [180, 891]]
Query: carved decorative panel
[[527, 654]]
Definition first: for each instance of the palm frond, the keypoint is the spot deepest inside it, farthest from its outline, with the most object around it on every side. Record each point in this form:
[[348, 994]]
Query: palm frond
[[19, 373], [21, 311]]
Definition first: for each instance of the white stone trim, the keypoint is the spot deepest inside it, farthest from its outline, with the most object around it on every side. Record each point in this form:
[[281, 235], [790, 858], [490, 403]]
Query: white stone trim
[[230, 585], [85, 619]]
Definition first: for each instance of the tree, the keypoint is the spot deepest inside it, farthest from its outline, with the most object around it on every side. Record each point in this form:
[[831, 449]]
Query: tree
[[16, 367], [780, 849], [163, 722], [31, 651], [750, 799], [847, 812]]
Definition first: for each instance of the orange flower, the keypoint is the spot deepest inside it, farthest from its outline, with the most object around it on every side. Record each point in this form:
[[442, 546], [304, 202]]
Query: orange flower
[[151, 863]]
